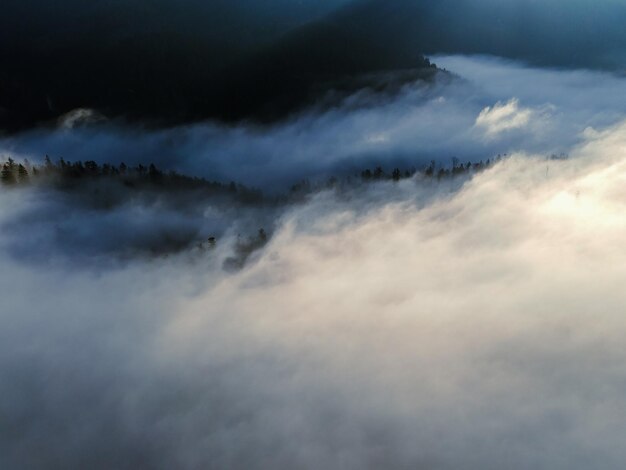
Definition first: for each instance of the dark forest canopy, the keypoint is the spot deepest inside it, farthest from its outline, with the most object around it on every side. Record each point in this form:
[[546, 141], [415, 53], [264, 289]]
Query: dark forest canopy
[[166, 61], [66, 175]]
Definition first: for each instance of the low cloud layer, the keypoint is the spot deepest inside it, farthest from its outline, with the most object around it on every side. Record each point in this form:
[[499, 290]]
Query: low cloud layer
[[409, 326], [494, 107]]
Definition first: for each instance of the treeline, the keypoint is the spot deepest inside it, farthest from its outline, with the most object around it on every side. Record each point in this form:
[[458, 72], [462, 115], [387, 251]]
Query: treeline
[[379, 174], [431, 171], [66, 174], [442, 172]]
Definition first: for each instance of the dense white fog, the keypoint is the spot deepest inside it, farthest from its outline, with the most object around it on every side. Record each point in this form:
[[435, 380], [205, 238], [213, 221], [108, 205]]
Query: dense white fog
[[475, 323]]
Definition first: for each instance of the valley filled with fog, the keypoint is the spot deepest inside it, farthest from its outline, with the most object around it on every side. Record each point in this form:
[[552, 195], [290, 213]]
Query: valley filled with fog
[[437, 320]]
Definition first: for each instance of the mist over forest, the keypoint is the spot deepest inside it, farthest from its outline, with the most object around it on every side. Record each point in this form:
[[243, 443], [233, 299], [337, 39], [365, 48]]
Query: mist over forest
[[339, 234]]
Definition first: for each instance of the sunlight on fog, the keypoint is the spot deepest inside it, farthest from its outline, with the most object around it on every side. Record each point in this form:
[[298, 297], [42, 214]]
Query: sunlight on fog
[[364, 331]]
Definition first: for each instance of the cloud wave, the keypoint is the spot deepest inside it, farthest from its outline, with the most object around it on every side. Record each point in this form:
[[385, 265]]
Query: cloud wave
[[411, 326]]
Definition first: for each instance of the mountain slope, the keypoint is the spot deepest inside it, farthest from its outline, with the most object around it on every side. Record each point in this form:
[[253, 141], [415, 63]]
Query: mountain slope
[[151, 60]]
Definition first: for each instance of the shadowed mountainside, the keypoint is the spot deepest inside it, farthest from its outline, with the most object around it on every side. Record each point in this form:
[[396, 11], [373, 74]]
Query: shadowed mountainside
[[165, 63]]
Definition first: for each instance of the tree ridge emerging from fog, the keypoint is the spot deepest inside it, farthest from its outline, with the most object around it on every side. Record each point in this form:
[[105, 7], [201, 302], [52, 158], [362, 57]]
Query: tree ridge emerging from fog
[[102, 190], [66, 175]]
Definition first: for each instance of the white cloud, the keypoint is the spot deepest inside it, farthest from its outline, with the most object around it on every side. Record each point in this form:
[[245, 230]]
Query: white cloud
[[503, 117], [410, 326], [415, 324]]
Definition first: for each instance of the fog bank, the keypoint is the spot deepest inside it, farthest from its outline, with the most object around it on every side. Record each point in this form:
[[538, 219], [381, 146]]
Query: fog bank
[[480, 329]]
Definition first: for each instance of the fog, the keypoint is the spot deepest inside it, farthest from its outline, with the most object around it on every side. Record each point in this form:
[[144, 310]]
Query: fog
[[379, 235], [545, 112], [410, 326]]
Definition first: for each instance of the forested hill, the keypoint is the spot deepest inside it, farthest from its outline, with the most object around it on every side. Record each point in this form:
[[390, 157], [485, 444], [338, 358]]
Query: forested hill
[[161, 212], [168, 61], [158, 62]]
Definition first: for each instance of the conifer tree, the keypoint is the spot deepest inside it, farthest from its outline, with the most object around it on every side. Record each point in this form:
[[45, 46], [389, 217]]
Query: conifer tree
[[22, 174], [6, 174]]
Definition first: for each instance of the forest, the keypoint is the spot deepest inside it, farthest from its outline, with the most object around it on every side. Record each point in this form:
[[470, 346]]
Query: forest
[[108, 187]]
